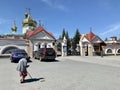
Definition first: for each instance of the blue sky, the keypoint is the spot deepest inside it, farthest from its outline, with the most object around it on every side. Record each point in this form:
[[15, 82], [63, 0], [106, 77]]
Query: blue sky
[[102, 15]]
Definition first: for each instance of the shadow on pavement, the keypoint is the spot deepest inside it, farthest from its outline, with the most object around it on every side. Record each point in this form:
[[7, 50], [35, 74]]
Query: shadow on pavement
[[29, 61], [34, 80], [47, 60]]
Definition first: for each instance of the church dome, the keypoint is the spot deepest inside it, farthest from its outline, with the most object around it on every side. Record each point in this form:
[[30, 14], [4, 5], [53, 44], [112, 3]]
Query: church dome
[[14, 28], [28, 21]]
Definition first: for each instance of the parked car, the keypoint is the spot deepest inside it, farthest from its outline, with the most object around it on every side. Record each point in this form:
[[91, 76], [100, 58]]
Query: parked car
[[45, 53], [17, 54], [73, 52]]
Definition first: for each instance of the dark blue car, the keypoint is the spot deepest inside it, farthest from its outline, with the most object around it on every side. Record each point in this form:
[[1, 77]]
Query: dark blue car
[[17, 54]]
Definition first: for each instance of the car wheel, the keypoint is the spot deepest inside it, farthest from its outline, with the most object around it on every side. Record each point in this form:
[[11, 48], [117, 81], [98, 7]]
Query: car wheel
[[11, 61]]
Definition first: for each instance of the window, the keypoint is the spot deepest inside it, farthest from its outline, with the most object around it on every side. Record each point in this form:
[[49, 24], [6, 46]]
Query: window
[[96, 48], [39, 46], [118, 51], [109, 51]]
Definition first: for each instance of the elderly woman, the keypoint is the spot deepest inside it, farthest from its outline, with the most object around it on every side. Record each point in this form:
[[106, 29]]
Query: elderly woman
[[22, 68]]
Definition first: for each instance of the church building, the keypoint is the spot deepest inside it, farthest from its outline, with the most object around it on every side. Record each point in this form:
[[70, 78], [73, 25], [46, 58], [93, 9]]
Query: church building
[[32, 39]]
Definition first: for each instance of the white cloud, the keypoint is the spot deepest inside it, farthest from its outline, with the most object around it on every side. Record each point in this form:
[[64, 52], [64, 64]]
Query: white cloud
[[2, 21], [47, 2], [55, 4], [111, 29]]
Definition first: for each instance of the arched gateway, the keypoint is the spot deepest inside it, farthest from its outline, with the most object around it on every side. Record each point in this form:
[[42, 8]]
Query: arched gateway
[[7, 45], [8, 49], [91, 44]]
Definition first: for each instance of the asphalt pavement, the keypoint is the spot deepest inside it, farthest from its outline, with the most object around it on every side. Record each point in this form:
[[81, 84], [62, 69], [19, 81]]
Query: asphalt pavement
[[106, 60], [65, 73]]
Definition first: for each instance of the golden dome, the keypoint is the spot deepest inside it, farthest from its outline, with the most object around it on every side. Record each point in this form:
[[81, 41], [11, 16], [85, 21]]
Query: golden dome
[[14, 27], [28, 21]]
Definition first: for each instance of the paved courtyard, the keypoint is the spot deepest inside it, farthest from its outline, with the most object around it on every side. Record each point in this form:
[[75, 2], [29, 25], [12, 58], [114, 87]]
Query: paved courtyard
[[66, 73]]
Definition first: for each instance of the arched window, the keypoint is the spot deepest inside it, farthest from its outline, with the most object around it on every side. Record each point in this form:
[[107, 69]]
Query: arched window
[[8, 50], [39, 45], [109, 51], [118, 51]]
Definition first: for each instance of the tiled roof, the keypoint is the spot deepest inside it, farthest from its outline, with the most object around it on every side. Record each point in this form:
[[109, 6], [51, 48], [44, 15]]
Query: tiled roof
[[17, 39], [36, 31], [90, 36]]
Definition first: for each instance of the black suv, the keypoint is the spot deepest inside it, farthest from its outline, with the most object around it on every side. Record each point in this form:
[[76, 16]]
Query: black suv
[[45, 53]]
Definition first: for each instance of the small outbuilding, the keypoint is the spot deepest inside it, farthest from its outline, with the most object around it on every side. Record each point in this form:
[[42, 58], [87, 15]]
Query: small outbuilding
[[91, 45]]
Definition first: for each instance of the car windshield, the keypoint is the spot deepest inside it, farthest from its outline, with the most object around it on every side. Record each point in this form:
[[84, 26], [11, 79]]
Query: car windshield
[[19, 50], [21, 53]]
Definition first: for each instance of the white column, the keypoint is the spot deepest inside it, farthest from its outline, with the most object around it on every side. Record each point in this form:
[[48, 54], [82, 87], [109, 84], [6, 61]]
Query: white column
[[64, 47]]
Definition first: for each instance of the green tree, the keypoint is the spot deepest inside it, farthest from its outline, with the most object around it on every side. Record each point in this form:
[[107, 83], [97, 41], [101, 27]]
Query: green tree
[[106, 39], [66, 35], [76, 39], [68, 40], [119, 39], [63, 33], [59, 43], [61, 38]]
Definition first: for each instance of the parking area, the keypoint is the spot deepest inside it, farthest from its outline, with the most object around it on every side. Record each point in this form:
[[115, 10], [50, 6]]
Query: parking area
[[65, 73]]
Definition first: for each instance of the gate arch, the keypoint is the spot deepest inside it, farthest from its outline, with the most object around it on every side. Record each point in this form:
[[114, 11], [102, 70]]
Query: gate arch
[[8, 49], [118, 51], [109, 51]]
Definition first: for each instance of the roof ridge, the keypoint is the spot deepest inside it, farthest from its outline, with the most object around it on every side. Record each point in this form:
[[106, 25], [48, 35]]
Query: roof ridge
[[90, 36], [36, 31]]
